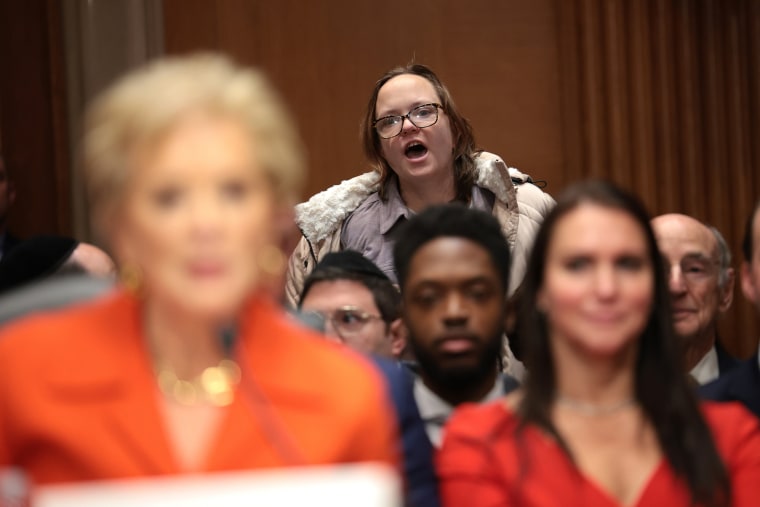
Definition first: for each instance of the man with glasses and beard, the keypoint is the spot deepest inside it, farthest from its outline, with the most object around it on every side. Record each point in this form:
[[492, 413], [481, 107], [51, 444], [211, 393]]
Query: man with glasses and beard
[[452, 264]]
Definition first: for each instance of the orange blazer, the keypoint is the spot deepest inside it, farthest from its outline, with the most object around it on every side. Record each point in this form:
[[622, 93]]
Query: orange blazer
[[79, 401]]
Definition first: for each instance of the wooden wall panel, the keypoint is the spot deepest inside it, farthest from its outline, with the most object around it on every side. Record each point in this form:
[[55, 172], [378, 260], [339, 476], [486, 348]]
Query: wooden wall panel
[[32, 99], [661, 96], [500, 60], [102, 41], [666, 93]]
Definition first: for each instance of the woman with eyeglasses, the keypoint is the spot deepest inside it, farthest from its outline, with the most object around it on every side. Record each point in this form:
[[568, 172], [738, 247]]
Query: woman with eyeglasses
[[422, 152], [606, 416], [189, 366]]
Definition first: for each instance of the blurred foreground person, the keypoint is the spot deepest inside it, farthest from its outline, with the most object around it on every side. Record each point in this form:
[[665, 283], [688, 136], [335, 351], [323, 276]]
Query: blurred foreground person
[[190, 367], [606, 416]]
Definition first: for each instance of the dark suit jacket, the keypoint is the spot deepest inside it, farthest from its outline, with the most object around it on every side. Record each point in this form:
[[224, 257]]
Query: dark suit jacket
[[742, 384], [726, 361], [419, 474], [79, 399], [9, 243]]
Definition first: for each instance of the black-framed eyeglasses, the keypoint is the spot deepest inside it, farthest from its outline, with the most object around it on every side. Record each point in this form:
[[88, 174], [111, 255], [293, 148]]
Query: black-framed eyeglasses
[[347, 321], [422, 116]]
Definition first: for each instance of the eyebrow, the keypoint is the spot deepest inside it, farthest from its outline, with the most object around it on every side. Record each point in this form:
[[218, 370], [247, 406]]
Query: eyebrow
[[697, 256], [396, 112], [464, 282]]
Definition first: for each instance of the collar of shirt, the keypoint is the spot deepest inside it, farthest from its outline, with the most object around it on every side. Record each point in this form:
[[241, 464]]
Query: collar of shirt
[[433, 408], [706, 370], [394, 208], [435, 411]]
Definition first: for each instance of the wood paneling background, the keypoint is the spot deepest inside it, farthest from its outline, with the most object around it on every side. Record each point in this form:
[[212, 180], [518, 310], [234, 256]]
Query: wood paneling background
[[33, 115], [499, 59], [661, 96]]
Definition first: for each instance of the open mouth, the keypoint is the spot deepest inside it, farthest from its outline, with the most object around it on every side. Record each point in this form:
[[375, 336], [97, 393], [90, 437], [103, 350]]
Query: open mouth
[[415, 150]]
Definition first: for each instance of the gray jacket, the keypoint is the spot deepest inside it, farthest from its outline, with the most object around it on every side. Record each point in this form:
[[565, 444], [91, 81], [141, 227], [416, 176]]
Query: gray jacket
[[519, 206]]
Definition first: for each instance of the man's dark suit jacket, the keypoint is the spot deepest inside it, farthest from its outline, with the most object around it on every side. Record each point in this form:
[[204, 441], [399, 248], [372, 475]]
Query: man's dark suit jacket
[[726, 361], [741, 384], [419, 474], [9, 243]]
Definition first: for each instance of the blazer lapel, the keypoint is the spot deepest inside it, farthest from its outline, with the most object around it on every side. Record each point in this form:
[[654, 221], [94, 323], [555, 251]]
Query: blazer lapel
[[114, 386], [134, 415], [252, 434], [135, 421], [745, 385]]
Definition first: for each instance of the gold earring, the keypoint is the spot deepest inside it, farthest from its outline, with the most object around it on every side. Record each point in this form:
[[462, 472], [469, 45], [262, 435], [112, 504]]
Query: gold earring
[[131, 277], [270, 260]]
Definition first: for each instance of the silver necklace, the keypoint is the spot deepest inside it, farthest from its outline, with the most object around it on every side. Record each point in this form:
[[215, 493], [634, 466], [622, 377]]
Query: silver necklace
[[594, 409]]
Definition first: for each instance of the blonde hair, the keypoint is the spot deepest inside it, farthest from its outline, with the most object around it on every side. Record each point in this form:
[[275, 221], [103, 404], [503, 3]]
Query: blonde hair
[[139, 108]]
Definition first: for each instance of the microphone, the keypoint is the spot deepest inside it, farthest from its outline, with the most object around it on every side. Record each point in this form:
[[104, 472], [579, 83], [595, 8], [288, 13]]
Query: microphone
[[227, 338], [284, 444]]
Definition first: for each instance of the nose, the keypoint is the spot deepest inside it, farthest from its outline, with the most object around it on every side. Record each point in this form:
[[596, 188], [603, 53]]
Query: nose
[[407, 125], [206, 217], [606, 283], [455, 310], [676, 282]]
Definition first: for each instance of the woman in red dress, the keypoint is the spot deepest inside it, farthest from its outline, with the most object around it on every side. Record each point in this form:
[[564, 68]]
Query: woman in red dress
[[606, 416]]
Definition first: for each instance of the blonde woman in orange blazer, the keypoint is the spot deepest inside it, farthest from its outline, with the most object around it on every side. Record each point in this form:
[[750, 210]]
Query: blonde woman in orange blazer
[[189, 366]]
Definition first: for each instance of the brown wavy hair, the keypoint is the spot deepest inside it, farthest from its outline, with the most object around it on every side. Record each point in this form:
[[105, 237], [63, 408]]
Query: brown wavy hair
[[464, 140]]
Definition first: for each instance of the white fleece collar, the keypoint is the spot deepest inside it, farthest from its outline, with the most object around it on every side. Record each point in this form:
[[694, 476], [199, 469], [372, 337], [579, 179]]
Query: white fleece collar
[[324, 212]]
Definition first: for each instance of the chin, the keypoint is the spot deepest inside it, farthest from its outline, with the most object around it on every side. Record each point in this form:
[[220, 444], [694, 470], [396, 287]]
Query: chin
[[215, 310], [610, 347], [212, 304], [455, 376], [685, 332]]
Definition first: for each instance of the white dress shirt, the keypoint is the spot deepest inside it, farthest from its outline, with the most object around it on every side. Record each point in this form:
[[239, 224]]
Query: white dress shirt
[[435, 411], [706, 370]]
